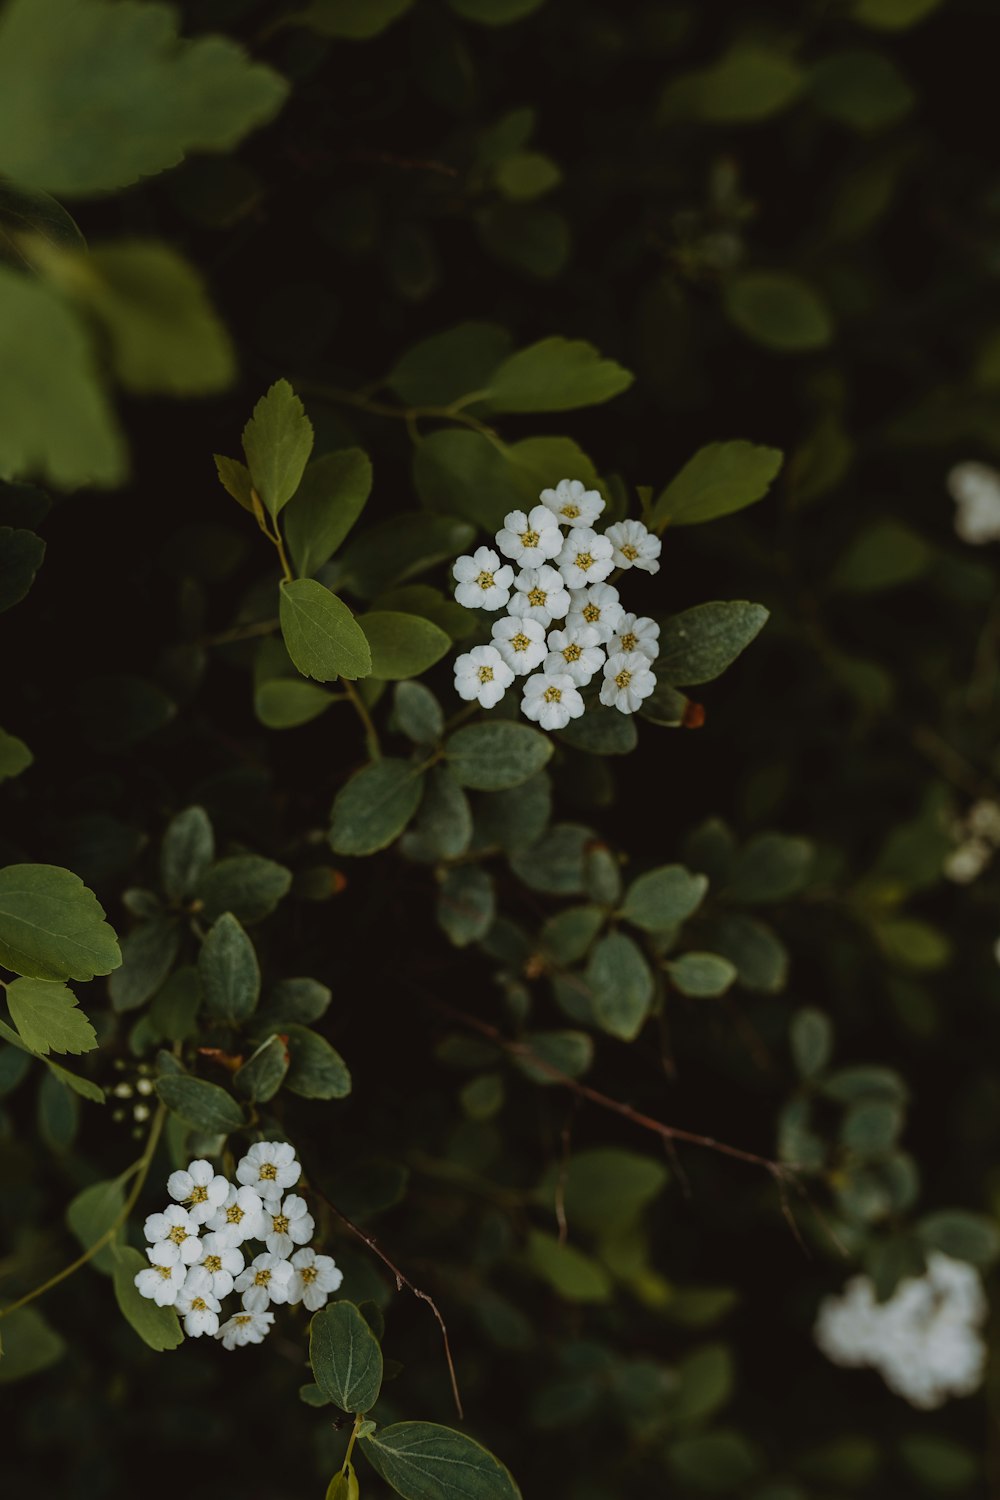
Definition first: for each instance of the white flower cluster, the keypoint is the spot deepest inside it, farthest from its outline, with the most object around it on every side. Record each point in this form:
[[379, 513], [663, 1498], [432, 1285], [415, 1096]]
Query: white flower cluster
[[975, 489], [198, 1249], [924, 1341], [977, 838], [560, 581]]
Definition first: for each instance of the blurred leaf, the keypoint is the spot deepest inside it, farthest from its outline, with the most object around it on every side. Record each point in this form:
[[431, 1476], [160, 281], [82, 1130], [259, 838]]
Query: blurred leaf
[[570, 1052], [771, 867], [760, 958], [701, 974], [811, 1035], [187, 850], [288, 702], [719, 479], [884, 555], [862, 89], [750, 83], [494, 12], [939, 1463], [91, 1214], [622, 985], [569, 1272], [449, 365], [21, 554], [778, 310], [524, 175], [354, 20], [245, 884], [30, 1345], [966, 1236], [555, 863], [556, 374], [466, 905], [148, 954], [661, 898]]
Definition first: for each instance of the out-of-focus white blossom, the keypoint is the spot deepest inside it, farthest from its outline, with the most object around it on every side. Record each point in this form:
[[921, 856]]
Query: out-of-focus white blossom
[[975, 488]]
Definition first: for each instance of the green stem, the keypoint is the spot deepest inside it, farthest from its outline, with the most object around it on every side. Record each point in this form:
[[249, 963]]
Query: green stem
[[408, 414], [371, 733], [359, 1418], [141, 1168]]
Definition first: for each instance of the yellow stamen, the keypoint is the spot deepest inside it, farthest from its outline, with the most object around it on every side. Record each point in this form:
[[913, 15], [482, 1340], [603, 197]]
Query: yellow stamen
[[198, 1304], [165, 1271], [234, 1214], [268, 1172], [308, 1274], [213, 1263], [630, 552], [485, 674], [178, 1234], [262, 1278], [570, 512], [538, 597], [279, 1221], [591, 613], [485, 580], [629, 641], [552, 694], [242, 1319], [572, 652], [198, 1194], [520, 642], [623, 679], [584, 561], [529, 538]]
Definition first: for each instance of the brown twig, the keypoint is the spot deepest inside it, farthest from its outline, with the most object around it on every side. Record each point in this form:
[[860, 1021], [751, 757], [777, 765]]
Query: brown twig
[[401, 1280]]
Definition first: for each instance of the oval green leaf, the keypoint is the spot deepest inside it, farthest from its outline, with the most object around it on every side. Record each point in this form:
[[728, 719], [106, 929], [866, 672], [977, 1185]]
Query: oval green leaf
[[345, 1357]]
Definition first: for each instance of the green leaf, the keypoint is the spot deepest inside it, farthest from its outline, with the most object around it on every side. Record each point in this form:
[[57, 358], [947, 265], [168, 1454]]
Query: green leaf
[[966, 1236], [29, 1345], [247, 885], [720, 479], [701, 974], [328, 501], [883, 556], [528, 236], [373, 808], [443, 827], [400, 547], [778, 310], [699, 644], [491, 757], [159, 1327], [811, 1035], [174, 1010], [277, 441], [516, 818], [771, 867], [162, 333], [556, 374], [58, 1115], [606, 1189], [422, 1461], [402, 645], [345, 1357], [288, 702], [622, 985], [865, 1081], [263, 1073], [68, 433], [433, 605], [705, 1383], [187, 850], [892, 15], [864, 90], [81, 1086], [749, 83], [21, 554], [229, 972], [938, 1462], [662, 898], [556, 863], [323, 638], [567, 936], [525, 175], [48, 1018], [601, 731], [235, 480], [494, 12], [418, 713], [571, 1052], [95, 94], [316, 1070], [148, 954], [761, 959], [717, 1461], [121, 710], [353, 20], [91, 1214], [302, 1000], [575, 1276], [448, 365], [15, 756], [31, 224], [203, 1105], [462, 473], [52, 926], [872, 1127], [466, 905]]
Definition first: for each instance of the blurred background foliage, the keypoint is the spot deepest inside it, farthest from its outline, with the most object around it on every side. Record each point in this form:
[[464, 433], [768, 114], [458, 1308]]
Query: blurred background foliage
[[784, 219]]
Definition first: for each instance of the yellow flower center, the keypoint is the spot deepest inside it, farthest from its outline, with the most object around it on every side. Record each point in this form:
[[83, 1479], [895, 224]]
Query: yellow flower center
[[242, 1319], [234, 1214], [584, 561], [630, 552], [198, 1304], [553, 694], [623, 679], [262, 1278], [629, 641], [591, 613], [308, 1274], [485, 674], [178, 1234], [165, 1272], [571, 512], [268, 1171], [572, 652], [538, 597], [529, 538], [280, 1221], [198, 1194], [213, 1263], [520, 642], [485, 580]]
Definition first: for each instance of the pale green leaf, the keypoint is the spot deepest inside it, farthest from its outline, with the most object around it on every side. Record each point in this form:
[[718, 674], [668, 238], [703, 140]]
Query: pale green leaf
[[52, 926], [235, 479], [328, 501], [778, 310], [575, 1276], [661, 898], [247, 885], [701, 975], [48, 1018], [287, 702], [719, 479], [490, 757], [402, 645], [621, 984], [323, 638], [277, 442], [228, 971], [524, 175], [15, 756], [159, 1327], [556, 374]]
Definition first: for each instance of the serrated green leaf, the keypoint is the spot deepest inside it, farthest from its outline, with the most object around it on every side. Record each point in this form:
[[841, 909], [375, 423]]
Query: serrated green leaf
[[235, 480], [277, 441], [48, 1018], [323, 638], [52, 926]]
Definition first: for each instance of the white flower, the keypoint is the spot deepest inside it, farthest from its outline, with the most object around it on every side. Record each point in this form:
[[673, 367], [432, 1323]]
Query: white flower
[[585, 558], [598, 606], [520, 641], [551, 699], [159, 1282], [539, 594], [575, 652], [313, 1279], [636, 633], [269, 1167], [238, 1217], [221, 1260], [200, 1188], [482, 673], [975, 488], [572, 503], [633, 546], [983, 820], [265, 1280], [530, 539], [924, 1340], [245, 1328], [197, 1304], [967, 862], [173, 1234], [482, 582], [627, 681], [286, 1225]]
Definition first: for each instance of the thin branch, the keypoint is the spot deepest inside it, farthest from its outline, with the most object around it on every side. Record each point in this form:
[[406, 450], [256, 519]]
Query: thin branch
[[401, 1280]]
